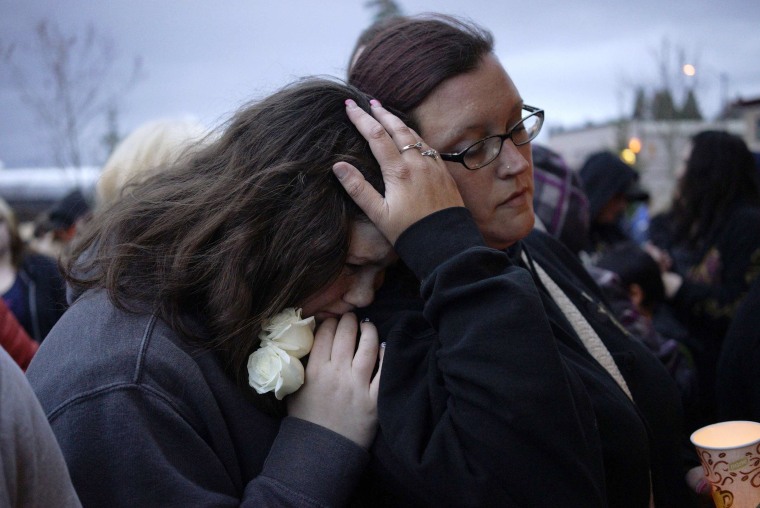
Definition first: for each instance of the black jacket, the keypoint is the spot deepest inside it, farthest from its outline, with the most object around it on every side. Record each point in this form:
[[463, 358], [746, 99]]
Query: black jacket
[[738, 375], [46, 294], [488, 398]]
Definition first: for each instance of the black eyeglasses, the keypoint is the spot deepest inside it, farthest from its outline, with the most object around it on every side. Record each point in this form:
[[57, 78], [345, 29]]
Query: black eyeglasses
[[486, 150]]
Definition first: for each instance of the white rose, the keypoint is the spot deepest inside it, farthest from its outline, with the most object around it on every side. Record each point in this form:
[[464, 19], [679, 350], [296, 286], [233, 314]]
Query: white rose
[[289, 332], [272, 369]]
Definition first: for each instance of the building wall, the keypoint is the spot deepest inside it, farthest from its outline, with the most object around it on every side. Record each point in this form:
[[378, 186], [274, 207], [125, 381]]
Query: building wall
[[663, 147]]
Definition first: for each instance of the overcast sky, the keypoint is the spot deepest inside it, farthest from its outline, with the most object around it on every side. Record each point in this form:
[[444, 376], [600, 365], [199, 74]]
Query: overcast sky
[[578, 60]]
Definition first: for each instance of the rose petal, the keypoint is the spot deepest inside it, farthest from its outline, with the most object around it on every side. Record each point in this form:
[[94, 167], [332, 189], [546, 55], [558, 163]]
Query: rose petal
[[291, 377]]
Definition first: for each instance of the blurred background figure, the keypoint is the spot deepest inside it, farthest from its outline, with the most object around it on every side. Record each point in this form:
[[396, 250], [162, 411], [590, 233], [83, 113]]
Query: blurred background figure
[[639, 275], [30, 283], [151, 145], [33, 472], [559, 201], [628, 275], [737, 383], [712, 234], [58, 225], [610, 185]]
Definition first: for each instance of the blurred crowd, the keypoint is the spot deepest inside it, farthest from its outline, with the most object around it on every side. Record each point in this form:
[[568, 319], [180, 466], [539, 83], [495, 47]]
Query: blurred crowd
[[676, 280]]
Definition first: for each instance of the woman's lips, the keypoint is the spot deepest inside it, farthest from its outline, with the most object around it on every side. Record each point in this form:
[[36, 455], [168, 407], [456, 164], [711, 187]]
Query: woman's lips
[[517, 198]]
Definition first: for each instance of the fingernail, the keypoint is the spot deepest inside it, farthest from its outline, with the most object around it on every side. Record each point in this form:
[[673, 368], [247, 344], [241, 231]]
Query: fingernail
[[703, 487], [375, 103], [340, 171], [382, 345], [365, 320], [350, 104]]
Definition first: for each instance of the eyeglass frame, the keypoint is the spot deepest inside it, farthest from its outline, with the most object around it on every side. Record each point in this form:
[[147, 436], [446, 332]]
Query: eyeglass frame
[[459, 156]]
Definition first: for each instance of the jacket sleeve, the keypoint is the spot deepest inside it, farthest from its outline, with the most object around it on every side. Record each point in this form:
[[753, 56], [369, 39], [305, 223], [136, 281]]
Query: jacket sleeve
[[14, 339], [156, 454], [481, 409]]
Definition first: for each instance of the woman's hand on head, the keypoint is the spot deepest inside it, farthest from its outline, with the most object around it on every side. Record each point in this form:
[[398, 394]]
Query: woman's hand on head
[[340, 392], [416, 185]]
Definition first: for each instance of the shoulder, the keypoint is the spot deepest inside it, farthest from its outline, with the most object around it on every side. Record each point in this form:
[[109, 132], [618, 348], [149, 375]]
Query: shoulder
[[35, 260], [39, 265], [563, 266], [97, 348]]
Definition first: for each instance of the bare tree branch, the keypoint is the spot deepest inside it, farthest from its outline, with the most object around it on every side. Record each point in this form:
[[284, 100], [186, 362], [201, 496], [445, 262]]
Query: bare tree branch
[[70, 82]]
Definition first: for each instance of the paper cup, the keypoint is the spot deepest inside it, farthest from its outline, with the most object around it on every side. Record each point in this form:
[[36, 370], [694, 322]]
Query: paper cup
[[730, 456]]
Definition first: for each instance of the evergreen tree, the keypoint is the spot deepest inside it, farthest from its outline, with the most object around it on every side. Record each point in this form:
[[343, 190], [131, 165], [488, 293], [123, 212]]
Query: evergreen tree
[[640, 105], [663, 107], [690, 110], [384, 9]]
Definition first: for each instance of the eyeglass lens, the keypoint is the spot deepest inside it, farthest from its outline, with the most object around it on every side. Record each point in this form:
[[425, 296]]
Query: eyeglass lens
[[482, 153]]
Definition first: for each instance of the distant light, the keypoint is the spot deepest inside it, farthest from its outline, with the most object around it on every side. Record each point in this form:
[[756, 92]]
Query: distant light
[[689, 70], [628, 156], [634, 145]]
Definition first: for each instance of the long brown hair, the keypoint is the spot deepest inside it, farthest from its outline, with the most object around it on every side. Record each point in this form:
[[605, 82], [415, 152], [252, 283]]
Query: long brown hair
[[720, 174], [246, 226], [404, 61]]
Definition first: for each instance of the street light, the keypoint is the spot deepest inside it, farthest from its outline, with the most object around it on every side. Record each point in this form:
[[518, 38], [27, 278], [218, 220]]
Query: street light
[[690, 71]]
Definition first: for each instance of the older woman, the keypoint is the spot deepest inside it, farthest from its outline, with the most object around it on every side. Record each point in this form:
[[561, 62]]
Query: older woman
[[583, 416]]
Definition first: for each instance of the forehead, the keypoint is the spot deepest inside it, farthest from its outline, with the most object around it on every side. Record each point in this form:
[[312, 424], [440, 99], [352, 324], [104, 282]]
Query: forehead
[[484, 98], [368, 243]]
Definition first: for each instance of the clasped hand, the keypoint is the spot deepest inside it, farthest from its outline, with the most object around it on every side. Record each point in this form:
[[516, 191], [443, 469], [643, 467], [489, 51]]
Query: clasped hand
[[340, 392]]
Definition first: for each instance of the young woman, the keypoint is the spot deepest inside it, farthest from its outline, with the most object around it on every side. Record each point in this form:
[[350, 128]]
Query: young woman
[[166, 381], [489, 397]]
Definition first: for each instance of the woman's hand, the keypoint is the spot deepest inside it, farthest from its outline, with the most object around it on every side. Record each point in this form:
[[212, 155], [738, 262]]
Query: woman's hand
[[695, 478], [340, 392], [416, 185]]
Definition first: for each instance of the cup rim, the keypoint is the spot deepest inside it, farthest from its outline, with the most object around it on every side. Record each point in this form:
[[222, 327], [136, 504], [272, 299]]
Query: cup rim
[[721, 424]]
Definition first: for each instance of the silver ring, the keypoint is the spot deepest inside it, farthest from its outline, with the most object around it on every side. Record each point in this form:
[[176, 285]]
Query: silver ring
[[430, 153], [417, 145]]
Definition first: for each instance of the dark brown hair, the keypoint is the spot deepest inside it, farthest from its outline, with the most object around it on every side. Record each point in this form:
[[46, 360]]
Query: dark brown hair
[[719, 174], [404, 62], [252, 223]]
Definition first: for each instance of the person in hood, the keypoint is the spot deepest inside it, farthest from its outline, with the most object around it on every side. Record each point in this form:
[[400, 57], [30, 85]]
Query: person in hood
[[610, 185]]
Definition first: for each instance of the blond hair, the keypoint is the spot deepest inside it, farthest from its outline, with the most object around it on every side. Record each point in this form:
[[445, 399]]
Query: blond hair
[[152, 145]]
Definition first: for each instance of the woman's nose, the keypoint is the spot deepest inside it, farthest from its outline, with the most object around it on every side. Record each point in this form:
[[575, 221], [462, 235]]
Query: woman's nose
[[361, 292], [511, 161]]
